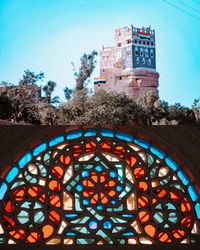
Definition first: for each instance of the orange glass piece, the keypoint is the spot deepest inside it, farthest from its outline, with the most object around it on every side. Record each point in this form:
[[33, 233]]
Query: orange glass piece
[[94, 176], [163, 237], [65, 159], [17, 234], [54, 217], [8, 206], [58, 171], [185, 206], [175, 196], [88, 193], [103, 177], [47, 231], [8, 221], [54, 185], [104, 199], [120, 151], [110, 184], [177, 233], [111, 193], [161, 193], [33, 237], [131, 160], [142, 201], [106, 146], [139, 172], [144, 216], [87, 183], [77, 150], [142, 187], [154, 200], [34, 191], [90, 146], [94, 199], [150, 230], [54, 200], [187, 221], [18, 195], [42, 198]]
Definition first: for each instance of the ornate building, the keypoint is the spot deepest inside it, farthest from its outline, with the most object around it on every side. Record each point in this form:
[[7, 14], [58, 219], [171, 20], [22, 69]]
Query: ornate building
[[130, 65]]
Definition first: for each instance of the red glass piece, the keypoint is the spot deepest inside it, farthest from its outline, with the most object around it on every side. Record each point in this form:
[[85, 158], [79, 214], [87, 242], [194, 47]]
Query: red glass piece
[[87, 183], [54, 185], [142, 201], [161, 193], [177, 233], [94, 176], [142, 187], [58, 171], [104, 199], [77, 150], [139, 172], [18, 234], [120, 151], [88, 193], [185, 205], [18, 194], [111, 193], [131, 160], [164, 237], [90, 146], [8, 206], [144, 216], [106, 146], [94, 199], [103, 177], [65, 159], [33, 237], [110, 184], [54, 217], [54, 200], [8, 221], [187, 221], [42, 198], [34, 191], [175, 196]]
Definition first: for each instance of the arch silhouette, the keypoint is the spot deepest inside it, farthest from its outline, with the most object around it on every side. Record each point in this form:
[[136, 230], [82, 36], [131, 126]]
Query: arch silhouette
[[98, 185]]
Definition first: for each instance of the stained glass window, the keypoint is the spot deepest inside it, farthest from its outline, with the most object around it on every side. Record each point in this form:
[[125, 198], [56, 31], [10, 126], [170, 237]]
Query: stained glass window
[[98, 186]]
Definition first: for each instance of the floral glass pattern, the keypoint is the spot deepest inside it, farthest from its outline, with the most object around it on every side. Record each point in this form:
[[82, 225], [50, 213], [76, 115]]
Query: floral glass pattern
[[98, 186]]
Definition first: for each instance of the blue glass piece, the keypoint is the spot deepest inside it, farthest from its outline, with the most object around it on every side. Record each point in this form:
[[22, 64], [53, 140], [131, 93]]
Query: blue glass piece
[[183, 177], [85, 173], [193, 194], [113, 174], [113, 201], [157, 151], [74, 134], [56, 140], [107, 224], [79, 188], [99, 207], [70, 234], [124, 136], [90, 132], [119, 188], [127, 215], [93, 224], [197, 208], [3, 190], [128, 234], [142, 143], [12, 174], [24, 159], [86, 202], [99, 168], [71, 215], [40, 148], [106, 132], [171, 163]]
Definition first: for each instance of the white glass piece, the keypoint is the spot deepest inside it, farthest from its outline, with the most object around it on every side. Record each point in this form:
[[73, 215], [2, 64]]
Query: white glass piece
[[68, 174], [163, 171], [86, 157], [145, 240], [33, 169], [62, 227], [62, 146], [129, 175], [42, 182], [11, 242], [68, 241], [110, 157], [131, 202], [132, 241], [136, 226], [1, 229], [67, 202]]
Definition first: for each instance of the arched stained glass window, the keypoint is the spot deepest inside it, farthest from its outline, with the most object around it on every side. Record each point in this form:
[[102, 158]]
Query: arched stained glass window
[[98, 186]]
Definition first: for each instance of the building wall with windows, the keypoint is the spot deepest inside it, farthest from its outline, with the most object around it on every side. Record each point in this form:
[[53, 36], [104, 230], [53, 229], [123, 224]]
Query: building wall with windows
[[133, 52]]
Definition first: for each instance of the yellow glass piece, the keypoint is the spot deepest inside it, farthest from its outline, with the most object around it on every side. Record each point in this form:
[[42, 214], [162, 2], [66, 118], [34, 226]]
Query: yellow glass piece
[[11, 242], [100, 243], [68, 241], [154, 183], [86, 157], [132, 241], [163, 171], [60, 147], [68, 174], [145, 240], [53, 241], [67, 202], [62, 227], [131, 202], [33, 169], [136, 226], [110, 157], [129, 175]]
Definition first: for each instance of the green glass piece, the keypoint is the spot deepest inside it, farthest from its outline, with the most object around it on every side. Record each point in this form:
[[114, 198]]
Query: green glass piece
[[172, 217], [77, 202], [170, 206], [37, 205], [165, 181], [95, 214], [104, 236], [150, 160], [98, 139], [80, 220], [82, 230], [115, 209], [166, 226], [29, 178], [118, 229], [118, 220], [103, 163], [26, 204], [76, 167], [39, 217], [23, 217], [153, 172], [43, 171], [121, 241], [158, 206], [17, 184], [178, 186], [47, 158], [97, 159], [2, 240], [88, 167], [82, 241], [159, 217]]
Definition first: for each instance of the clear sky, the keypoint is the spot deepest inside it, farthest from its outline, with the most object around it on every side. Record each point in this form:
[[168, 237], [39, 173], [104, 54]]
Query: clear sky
[[47, 35]]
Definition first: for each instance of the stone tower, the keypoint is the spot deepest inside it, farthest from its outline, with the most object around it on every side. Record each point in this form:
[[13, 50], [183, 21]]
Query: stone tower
[[130, 65]]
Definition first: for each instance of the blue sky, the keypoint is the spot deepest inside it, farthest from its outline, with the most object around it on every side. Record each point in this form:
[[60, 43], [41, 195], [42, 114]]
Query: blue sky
[[47, 35]]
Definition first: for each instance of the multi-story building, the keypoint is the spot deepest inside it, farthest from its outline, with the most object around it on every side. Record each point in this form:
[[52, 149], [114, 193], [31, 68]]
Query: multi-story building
[[130, 65]]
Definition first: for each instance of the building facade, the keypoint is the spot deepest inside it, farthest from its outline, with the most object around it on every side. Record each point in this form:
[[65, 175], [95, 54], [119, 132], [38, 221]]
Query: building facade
[[130, 65]]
